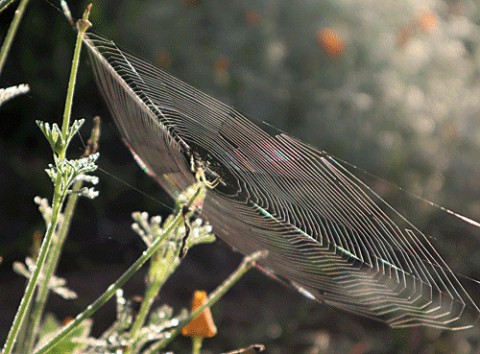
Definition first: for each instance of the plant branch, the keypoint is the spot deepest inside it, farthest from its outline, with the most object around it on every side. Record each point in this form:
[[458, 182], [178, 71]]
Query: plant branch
[[82, 25], [12, 30], [4, 4], [161, 267], [161, 275], [247, 263], [102, 299], [19, 319], [57, 245], [60, 190]]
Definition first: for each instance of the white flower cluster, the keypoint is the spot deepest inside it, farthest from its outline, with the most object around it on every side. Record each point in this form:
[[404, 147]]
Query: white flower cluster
[[56, 284], [158, 327], [10, 92], [148, 230], [68, 172]]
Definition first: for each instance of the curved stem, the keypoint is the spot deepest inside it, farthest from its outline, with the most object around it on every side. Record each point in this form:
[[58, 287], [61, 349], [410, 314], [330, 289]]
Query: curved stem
[[50, 267]]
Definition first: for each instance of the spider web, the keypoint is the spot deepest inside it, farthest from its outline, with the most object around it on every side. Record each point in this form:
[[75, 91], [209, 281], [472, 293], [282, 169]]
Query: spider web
[[327, 233]]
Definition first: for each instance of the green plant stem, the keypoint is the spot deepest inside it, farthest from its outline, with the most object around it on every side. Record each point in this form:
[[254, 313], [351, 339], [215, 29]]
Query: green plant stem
[[197, 345], [4, 4], [21, 342], [50, 266], [159, 274], [82, 25], [147, 302], [247, 263], [56, 250], [12, 31], [161, 267], [102, 299], [59, 193], [22, 335], [20, 316]]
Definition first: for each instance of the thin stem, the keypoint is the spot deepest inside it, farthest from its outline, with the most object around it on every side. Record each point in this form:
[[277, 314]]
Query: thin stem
[[82, 25], [197, 345], [102, 299], [22, 334], [56, 248], [247, 263], [153, 289], [59, 192], [12, 31], [18, 321], [161, 267], [4, 4]]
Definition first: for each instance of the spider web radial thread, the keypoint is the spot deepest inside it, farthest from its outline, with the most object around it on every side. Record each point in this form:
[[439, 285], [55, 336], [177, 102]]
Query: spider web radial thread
[[327, 233]]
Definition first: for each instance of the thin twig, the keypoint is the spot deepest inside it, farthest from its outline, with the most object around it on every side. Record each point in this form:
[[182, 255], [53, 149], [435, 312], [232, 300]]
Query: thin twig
[[12, 31], [82, 25], [4, 4]]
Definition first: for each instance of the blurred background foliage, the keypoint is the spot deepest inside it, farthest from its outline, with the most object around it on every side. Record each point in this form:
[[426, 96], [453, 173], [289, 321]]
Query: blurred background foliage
[[390, 86]]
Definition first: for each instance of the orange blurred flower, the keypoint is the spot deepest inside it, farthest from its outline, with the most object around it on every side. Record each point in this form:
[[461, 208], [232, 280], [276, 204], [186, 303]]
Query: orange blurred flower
[[202, 325], [427, 21], [252, 17], [331, 42]]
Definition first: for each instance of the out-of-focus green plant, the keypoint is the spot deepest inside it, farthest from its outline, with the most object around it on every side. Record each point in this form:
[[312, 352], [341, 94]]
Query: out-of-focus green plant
[[398, 97]]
